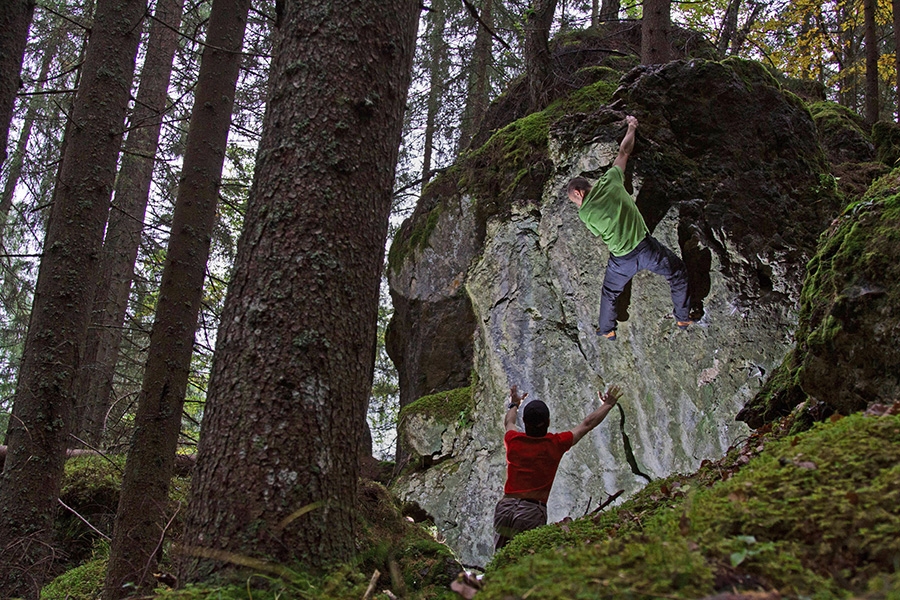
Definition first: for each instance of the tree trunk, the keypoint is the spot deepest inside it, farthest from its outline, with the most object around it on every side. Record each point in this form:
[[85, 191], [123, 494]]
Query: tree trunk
[[141, 516], [17, 160], [609, 11], [655, 32], [741, 35], [477, 98], [845, 56], [15, 19], [437, 61], [896, 7], [729, 26], [538, 65], [43, 409], [294, 355], [871, 62], [126, 219]]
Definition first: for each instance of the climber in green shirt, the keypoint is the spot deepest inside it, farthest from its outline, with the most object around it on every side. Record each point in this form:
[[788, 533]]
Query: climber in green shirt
[[610, 212]]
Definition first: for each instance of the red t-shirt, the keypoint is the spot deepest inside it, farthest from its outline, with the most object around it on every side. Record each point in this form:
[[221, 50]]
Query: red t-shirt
[[531, 462]]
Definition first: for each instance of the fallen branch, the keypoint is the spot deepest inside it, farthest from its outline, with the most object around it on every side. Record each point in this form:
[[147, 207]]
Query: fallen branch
[[608, 501], [372, 582]]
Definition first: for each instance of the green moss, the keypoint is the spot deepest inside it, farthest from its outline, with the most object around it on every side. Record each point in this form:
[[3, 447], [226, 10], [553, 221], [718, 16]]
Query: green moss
[[590, 97], [547, 538], [886, 137], [814, 515], [832, 117], [829, 498], [856, 257], [645, 567], [84, 582], [416, 239], [86, 475], [449, 406], [752, 72], [859, 249]]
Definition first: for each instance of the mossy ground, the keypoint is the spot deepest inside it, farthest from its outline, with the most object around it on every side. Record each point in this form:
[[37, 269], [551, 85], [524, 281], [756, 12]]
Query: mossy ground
[[84, 582], [406, 555], [815, 515]]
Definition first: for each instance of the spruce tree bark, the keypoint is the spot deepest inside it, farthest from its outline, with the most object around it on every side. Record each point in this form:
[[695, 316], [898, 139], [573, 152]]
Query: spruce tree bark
[[277, 467], [15, 20], [871, 62], [126, 219], [477, 98], [437, 66], [45, 396], [141, 516], [655, 27], [538, 64]]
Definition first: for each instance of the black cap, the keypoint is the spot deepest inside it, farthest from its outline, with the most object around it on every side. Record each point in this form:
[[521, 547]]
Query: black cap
[[536, 417]]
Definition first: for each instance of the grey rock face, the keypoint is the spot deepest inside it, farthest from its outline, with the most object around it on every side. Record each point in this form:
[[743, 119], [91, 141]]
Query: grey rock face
[[533, 290]]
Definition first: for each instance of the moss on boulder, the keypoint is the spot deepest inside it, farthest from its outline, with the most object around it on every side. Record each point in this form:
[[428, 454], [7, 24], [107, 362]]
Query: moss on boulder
[[431, 425], [886, 136], [846, 355], [842, 132]]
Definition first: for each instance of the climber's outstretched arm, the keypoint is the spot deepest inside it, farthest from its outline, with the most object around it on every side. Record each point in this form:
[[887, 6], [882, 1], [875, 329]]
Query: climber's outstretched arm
[[595, 418], [627, 145]]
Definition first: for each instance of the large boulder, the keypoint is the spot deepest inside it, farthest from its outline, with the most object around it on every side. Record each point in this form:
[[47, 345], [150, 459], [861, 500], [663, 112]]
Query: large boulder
[[846, 357], [855, 159], [727, 171]]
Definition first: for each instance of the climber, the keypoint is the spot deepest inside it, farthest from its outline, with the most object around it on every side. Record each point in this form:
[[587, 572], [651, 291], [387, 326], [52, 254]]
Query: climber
[[532, 459], [609, 211]]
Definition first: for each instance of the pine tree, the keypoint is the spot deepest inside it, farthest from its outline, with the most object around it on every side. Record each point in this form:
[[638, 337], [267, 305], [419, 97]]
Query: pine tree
[[538, 65], [655, 32], [15, 19], [277, 466], [38, 431], [140, 518], [872, 53], [126, 219]]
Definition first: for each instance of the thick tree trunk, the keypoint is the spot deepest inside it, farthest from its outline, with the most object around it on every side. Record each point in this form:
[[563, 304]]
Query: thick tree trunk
[[277, 467], [126, 219], [15, 19], [477, 99], [655, 32], [896, 7], [538, 65], [141, 517], [437, 60], [43, 410], [609, 10], [17, 160], [871, 62]]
